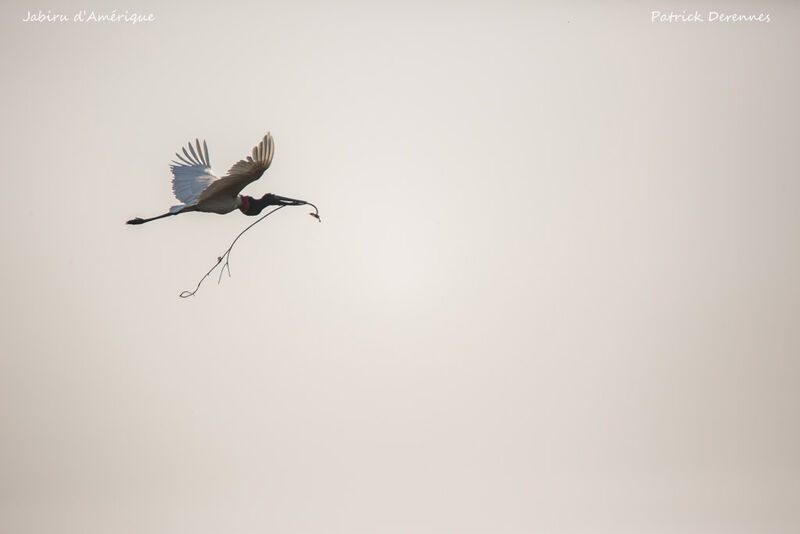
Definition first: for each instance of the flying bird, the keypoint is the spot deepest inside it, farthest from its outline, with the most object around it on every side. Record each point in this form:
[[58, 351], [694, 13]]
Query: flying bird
[[199, 189]]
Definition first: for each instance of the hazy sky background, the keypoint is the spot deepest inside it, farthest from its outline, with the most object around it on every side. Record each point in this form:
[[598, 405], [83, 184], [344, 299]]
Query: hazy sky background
[[556, 288]]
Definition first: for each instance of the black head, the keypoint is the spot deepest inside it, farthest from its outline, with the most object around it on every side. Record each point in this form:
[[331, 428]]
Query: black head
[[254, 206]]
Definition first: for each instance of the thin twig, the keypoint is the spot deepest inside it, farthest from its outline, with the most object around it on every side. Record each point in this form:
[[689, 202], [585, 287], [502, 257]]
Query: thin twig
[[227, 255]]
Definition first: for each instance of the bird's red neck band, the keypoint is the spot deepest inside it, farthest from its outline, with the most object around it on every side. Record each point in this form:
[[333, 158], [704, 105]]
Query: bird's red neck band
[[244, 206]]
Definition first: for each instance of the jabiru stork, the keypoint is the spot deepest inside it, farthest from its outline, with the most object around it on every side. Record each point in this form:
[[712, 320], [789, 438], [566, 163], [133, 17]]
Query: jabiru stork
[[199, 189]]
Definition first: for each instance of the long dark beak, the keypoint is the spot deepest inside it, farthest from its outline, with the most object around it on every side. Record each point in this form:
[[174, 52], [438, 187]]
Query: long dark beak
[[276, 200]]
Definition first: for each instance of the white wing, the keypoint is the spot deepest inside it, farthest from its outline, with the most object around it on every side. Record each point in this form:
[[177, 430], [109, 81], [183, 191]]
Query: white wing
[[192, 174], [243, 172]]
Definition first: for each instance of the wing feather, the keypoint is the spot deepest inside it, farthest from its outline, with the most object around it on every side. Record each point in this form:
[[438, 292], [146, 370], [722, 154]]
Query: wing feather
[[184, 160], [194, 154], [243, 172], [192, 174]]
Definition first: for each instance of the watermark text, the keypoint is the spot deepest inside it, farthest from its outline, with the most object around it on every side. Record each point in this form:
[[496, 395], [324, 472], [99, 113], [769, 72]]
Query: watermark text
[[672, 17], [88, 16]]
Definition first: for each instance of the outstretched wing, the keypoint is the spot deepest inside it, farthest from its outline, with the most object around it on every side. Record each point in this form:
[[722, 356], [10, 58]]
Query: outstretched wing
[[192, 175], [243, 172]]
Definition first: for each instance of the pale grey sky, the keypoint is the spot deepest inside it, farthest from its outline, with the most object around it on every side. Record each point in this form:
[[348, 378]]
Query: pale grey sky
[[556, 287]]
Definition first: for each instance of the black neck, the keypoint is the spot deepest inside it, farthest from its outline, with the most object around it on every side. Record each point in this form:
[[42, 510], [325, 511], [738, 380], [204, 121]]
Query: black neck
[[258, 204]]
